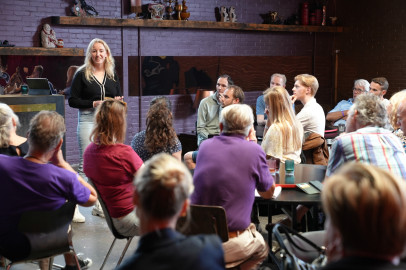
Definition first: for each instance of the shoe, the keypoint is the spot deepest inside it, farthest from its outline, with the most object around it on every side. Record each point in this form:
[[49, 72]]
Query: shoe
[[78, 217], [83, 263], [97, 210]]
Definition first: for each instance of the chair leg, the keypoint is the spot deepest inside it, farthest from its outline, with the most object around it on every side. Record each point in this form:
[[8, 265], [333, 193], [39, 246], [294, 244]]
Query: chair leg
[[108, 253], [124, 251]]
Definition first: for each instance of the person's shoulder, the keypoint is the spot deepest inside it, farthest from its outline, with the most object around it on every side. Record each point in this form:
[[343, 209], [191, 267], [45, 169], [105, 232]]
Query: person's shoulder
[[260, 98]]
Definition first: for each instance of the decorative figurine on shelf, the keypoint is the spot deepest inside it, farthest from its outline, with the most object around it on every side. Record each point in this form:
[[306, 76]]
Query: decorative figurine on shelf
[[224, 14], [232, 15], [184, 15], [178, 9], [82, 9], [48, 39], [157, 11], [169, 10]]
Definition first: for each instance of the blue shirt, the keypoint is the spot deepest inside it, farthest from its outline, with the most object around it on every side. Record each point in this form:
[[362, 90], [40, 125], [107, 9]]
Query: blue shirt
[[260, 107], [343, 105]]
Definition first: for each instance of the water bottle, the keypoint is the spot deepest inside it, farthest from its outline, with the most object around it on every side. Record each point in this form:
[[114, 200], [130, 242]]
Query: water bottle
[[289, 172]]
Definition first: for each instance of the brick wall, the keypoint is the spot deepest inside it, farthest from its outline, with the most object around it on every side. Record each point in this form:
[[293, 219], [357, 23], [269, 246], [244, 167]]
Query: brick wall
[[22, 22]]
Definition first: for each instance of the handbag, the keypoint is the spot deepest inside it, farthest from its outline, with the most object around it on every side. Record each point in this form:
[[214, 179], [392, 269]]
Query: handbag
[[286, 260]]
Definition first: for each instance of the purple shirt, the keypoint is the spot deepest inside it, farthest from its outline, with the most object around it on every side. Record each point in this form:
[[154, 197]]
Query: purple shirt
[[228, 169], [27, 186]]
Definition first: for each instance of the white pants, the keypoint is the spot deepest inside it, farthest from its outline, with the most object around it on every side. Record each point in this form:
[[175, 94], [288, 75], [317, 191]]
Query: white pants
[[248, 250]]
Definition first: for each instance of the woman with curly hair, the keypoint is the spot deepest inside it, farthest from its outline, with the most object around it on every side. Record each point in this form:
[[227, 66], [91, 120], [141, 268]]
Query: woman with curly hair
[[160, 136]]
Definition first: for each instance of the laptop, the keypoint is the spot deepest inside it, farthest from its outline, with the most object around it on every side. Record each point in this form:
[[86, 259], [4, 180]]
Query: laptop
[[38, 86]]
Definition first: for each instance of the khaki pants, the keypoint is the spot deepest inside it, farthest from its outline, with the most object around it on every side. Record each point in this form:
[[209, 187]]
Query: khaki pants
[[248, 250]]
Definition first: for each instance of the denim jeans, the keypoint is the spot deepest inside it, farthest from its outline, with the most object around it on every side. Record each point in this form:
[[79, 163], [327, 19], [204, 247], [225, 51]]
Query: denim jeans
[[85, 127]]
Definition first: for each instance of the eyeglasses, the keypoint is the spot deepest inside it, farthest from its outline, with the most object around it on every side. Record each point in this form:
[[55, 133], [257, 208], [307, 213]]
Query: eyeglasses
[[222, 85], [358, 90]]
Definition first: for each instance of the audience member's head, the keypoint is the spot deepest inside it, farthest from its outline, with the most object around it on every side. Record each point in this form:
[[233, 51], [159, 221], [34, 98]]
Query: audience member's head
[[163, 100], [309, 82], [222, 83], [236, 119], [70, 74], [365, 209], [361, 86], [279, 104], [393, 106], [162, 189], [277, 80], [45, 131], [367, 110], [7, 116], [37, 72], [379, 86], [110, 122], [232, 95], [401, 116], [159, 133]]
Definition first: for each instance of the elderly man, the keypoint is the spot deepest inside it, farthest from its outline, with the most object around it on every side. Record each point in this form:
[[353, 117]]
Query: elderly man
[[232, 95], [229, 178], [209, 109], [339, 114], [42, 180], [276, 80], [366, 139], [379, 86]]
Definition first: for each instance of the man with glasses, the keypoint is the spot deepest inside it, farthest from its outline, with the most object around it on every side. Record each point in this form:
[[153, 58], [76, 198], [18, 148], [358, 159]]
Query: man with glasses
[[379, 86], [339, 114], [209, 110]]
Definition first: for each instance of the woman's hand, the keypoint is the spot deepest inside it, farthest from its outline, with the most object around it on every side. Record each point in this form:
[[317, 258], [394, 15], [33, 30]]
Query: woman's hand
[[293, 98], [119, 98]]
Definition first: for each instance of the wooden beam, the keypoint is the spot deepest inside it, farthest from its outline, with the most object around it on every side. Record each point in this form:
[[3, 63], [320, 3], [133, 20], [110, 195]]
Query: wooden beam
[[107, 22], [41, 51]]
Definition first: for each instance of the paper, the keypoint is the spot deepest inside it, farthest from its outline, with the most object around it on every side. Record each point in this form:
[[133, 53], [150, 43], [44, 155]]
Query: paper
[[276, 192]]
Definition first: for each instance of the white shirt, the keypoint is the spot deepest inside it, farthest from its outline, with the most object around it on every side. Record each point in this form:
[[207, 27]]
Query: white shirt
[[312, 117]]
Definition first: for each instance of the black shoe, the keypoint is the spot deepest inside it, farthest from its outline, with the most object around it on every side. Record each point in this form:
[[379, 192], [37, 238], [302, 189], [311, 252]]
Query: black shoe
[[84, 264]]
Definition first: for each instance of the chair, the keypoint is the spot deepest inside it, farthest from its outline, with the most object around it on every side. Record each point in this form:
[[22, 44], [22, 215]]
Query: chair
[[308, 253], [204, 219], [113, 230], [48, 233]]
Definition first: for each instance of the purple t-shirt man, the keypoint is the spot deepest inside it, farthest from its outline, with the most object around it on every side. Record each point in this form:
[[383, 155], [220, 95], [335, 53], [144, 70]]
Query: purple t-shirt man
[[228, 170], [27, 186]]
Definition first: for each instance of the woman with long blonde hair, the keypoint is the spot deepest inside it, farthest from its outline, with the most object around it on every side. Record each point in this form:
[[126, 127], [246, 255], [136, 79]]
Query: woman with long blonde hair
[[283, 133]]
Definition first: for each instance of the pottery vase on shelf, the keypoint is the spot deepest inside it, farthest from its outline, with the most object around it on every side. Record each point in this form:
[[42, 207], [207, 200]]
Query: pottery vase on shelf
[[178, 9], [184, 15]]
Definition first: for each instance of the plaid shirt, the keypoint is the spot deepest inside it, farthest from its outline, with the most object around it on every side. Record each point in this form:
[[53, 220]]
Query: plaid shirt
[[373, 145]]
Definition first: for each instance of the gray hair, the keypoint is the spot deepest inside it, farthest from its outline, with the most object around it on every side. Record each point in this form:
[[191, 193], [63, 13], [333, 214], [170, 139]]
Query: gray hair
[[6, 124], [46, 130], [363, 83], [237, 118], [280, 76], [371, 111], [163, 185]]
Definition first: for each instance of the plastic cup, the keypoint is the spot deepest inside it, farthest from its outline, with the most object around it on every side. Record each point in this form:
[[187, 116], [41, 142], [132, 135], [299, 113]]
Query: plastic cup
[[24, 89], [272, 165]]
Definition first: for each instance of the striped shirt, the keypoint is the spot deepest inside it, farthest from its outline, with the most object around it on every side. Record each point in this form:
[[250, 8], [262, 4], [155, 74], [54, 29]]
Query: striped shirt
[[372, 145]]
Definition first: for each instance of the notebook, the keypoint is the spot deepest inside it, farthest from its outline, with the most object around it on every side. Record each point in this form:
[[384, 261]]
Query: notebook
[[317, 184], [38, 86]]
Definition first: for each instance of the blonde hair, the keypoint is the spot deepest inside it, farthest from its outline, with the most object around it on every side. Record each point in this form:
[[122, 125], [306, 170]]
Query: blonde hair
[[282, 115], [308, 81], [237, 118], [367, 206], [110, 122], [88, 66], [395, 101], [6, 124], [163, 184]]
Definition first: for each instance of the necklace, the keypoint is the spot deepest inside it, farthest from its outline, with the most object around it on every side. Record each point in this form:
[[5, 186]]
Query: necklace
[[38, 159]]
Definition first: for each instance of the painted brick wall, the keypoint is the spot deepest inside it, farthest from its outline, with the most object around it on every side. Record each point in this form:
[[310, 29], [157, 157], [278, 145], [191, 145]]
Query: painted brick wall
[[22, 22]]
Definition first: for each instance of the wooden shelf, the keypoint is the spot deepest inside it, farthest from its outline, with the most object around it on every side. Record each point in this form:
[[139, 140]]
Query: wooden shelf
[[107, 22], [41, 51]]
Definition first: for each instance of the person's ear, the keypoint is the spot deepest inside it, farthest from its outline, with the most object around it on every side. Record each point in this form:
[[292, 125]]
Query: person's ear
[[13, 121], [59, 145], [383, 92], [221, 127], [236, 101]]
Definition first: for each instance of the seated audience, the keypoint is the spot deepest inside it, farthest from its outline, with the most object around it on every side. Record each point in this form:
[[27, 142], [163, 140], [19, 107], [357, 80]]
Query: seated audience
[[338, 115], [283, 131], [42, 180], [276, 80], [69, 77], [366, 140], [232, 95], [229, 178], [366, 220], [379, 86], [11, 144], [160, 136], [162, 190], [111, 165]]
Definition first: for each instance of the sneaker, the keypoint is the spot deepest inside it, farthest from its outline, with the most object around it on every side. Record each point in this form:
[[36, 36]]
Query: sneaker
[[83, 263], [78, 217], [97, 210]]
